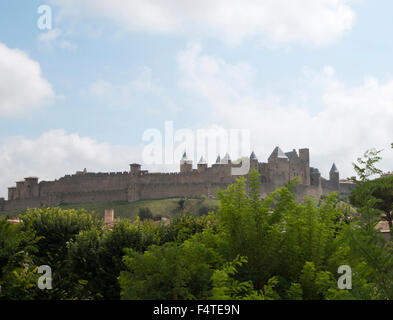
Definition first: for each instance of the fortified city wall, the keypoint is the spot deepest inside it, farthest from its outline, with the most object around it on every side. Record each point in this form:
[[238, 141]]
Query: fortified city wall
[[137, 184]]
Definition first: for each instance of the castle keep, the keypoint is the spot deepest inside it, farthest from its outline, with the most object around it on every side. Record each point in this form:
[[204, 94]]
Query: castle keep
[[190, 182]]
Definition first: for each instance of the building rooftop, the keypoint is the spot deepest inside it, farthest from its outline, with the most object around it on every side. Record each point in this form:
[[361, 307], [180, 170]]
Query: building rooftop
[[334, 168], [278, 153], [253, 156], [185, 159], [292, 154], [226, 159], [314, 170], [202, 161]]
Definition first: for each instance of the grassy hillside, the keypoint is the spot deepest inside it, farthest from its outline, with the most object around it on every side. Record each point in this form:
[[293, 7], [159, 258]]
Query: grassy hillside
[[169, 208]]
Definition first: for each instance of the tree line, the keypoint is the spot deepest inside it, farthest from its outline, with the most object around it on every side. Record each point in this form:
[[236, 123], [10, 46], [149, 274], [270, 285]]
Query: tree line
[[251, 248]]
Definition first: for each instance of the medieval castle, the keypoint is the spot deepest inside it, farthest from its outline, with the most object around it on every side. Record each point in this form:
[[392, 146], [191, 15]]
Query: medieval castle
[[138, 184]]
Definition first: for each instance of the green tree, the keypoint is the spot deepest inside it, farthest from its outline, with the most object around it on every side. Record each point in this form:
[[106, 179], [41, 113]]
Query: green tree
[[381, 190], [366, 165], [84, 266], [181, 203], [145, 214], [368, 252], [18, 273], [95, 256], [170, 272], [184, 227], [226, 287], [55, 227], [278, 235]]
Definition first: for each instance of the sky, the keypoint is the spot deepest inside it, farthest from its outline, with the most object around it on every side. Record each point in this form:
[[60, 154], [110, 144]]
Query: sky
[[82, 91]]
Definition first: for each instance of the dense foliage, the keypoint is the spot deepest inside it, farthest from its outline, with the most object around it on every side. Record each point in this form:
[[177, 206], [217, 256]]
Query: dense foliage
[[251, 248]]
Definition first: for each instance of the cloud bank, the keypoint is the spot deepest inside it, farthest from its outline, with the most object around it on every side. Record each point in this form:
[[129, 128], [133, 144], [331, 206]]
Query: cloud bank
[[22, 87], [56, 153], [349, 120], [316, 22]]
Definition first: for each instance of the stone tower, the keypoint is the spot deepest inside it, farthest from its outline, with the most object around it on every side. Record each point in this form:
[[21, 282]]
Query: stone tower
[[32, 189], [135, 169], [278, 164], [334, 176], [12, 193], [253, 161], [304, 155], [315, 177], [202, 165], [226, 159], [109, 216], [185, 164]]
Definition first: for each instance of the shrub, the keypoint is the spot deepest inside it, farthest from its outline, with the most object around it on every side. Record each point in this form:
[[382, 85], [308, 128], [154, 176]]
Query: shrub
[[145, 214]]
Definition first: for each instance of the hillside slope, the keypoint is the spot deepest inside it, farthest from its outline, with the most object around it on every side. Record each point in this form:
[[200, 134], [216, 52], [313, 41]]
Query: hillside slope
[[169, 207]]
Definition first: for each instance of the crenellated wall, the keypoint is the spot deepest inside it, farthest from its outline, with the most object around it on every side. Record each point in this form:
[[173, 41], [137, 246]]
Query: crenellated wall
[[21, 204], [345, 188], [329, 186], [84, 187]]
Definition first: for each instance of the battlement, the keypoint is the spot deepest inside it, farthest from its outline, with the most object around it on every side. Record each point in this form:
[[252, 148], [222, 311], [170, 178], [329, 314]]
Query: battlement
[[190, 181], [93, 174]]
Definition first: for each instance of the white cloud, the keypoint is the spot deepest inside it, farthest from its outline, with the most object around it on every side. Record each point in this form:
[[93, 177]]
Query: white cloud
[[55, 37], [350, 119], [101, 88], [22, 87], [317, 22], [51, 35], [56, 153], [124, 94], [144, 82]]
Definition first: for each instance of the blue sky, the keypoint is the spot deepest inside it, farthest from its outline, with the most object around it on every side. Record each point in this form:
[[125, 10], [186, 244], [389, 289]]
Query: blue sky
[[304, 73]]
